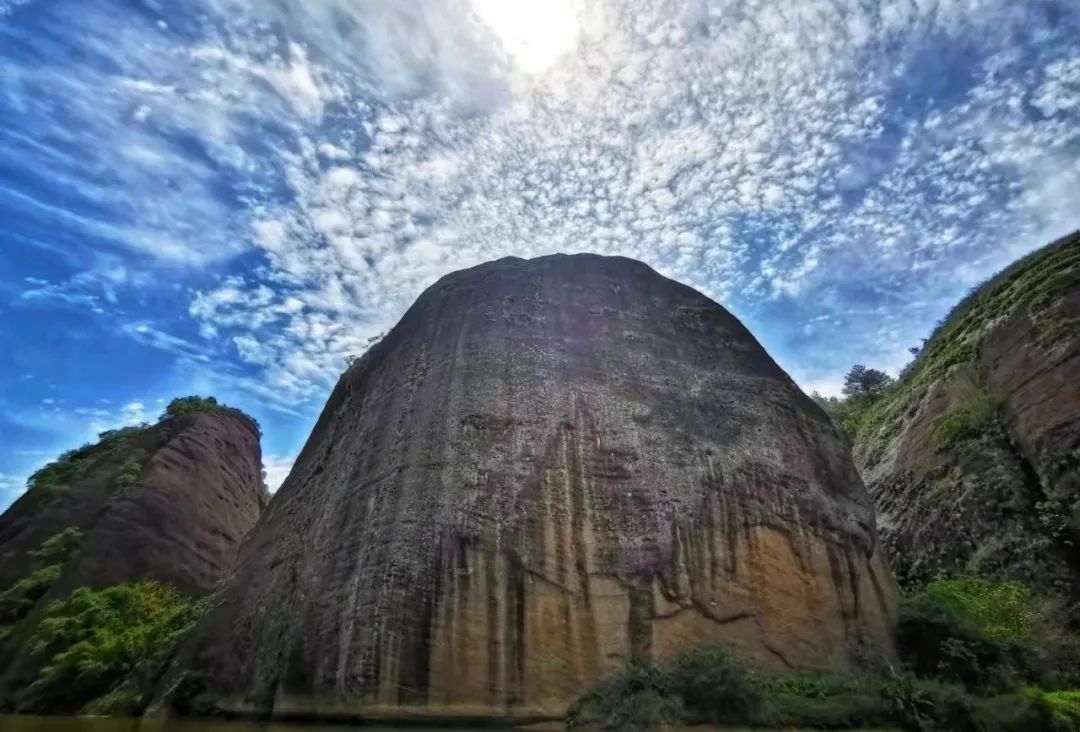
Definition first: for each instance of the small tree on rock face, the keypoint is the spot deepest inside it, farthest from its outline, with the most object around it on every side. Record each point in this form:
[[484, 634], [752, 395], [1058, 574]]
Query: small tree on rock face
[[861, 381]]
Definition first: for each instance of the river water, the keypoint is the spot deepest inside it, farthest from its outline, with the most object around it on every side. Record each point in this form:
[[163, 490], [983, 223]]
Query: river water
[[104, 724]]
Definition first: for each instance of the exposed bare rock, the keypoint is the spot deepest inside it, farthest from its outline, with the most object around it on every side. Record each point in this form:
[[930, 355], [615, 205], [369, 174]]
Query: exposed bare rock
[[974, 460], [170, 502], [546, 468]]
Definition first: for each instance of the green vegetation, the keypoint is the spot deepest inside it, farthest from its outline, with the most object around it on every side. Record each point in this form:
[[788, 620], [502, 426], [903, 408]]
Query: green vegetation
[[59, 547], [1002, 611], [1063, 707], [16, 601], [182, 406], [963, 422], [129, 473], [54, 480], [47, 564], [1032, 284], [103, 650], [707, 684], [975, 654]]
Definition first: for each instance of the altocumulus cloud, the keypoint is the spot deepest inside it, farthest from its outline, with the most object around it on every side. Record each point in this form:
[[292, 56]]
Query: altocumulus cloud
[[836, 171]]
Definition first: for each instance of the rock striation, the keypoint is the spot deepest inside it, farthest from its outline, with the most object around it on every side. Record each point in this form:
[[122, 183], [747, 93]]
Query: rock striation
[[974, 459], [169, 502], [546, 469]]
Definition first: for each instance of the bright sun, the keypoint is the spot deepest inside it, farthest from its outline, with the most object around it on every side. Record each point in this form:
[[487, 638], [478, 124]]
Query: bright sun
[[534, 33]]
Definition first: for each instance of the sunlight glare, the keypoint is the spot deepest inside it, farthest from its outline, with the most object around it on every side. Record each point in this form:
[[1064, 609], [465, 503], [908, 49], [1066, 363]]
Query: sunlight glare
[[533, 33]]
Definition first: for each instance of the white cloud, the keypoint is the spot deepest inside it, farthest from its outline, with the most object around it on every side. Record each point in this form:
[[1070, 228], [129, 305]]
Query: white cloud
[[797, 161], [277, 468], [11, 487]]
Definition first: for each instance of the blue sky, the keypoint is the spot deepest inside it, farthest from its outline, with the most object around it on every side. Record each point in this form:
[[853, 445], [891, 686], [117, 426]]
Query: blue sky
[[228, 197]]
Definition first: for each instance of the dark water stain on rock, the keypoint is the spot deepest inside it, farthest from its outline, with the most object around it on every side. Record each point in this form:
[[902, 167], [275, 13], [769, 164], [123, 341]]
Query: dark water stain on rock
[[547, 468]]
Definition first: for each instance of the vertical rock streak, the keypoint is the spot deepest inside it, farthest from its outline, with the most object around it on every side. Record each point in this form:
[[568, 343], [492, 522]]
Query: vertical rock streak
[[548, 468]]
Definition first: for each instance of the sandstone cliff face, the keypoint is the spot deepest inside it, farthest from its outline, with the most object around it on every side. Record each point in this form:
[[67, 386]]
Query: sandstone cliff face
[[974, 461], [170, 502], [546, 468]]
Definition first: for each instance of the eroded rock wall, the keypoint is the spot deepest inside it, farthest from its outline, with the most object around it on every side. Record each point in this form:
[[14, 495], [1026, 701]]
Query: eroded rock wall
[[547, 468], [193, 491], [974, 460]]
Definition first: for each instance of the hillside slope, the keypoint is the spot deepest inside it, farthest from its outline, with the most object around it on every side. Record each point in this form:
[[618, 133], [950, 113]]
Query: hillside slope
[[973, 458], [168, 503]]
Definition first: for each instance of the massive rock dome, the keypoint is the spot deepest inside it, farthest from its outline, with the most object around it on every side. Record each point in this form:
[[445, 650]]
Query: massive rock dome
[[547, 468]]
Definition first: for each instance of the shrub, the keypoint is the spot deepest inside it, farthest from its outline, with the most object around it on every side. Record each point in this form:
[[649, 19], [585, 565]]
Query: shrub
[[715, 686], [936, 638], [129, 474], [17, 600], [59, 547], [196, 405], [190, 405], [1062, 707], [97, 643], [963, 422], [822, 702], [638, 697], [1002, 611], [926, 704], [843, 711], [703, 684]]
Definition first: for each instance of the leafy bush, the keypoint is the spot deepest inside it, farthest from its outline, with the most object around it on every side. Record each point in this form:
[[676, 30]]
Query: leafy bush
[[196, 405], [640, 696], [963, 422], [190, 405], [715, 686], [17, 600], [99, 644], [822, 702], [1002, 611], [53, 480], [926, 704], [842, 711], [129, 473], [703, 684], [938, 639], [59, 547], [1056, 710]]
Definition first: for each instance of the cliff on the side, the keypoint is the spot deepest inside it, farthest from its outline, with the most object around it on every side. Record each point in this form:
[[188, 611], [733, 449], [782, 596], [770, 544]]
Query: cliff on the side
[[973, 458], [547, 468], [168, 502]]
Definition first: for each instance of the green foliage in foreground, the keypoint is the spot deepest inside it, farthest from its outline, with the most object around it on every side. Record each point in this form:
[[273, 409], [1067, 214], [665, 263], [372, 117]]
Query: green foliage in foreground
[[707, 684], [975, 653], [103, 650], [1061, 707]]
